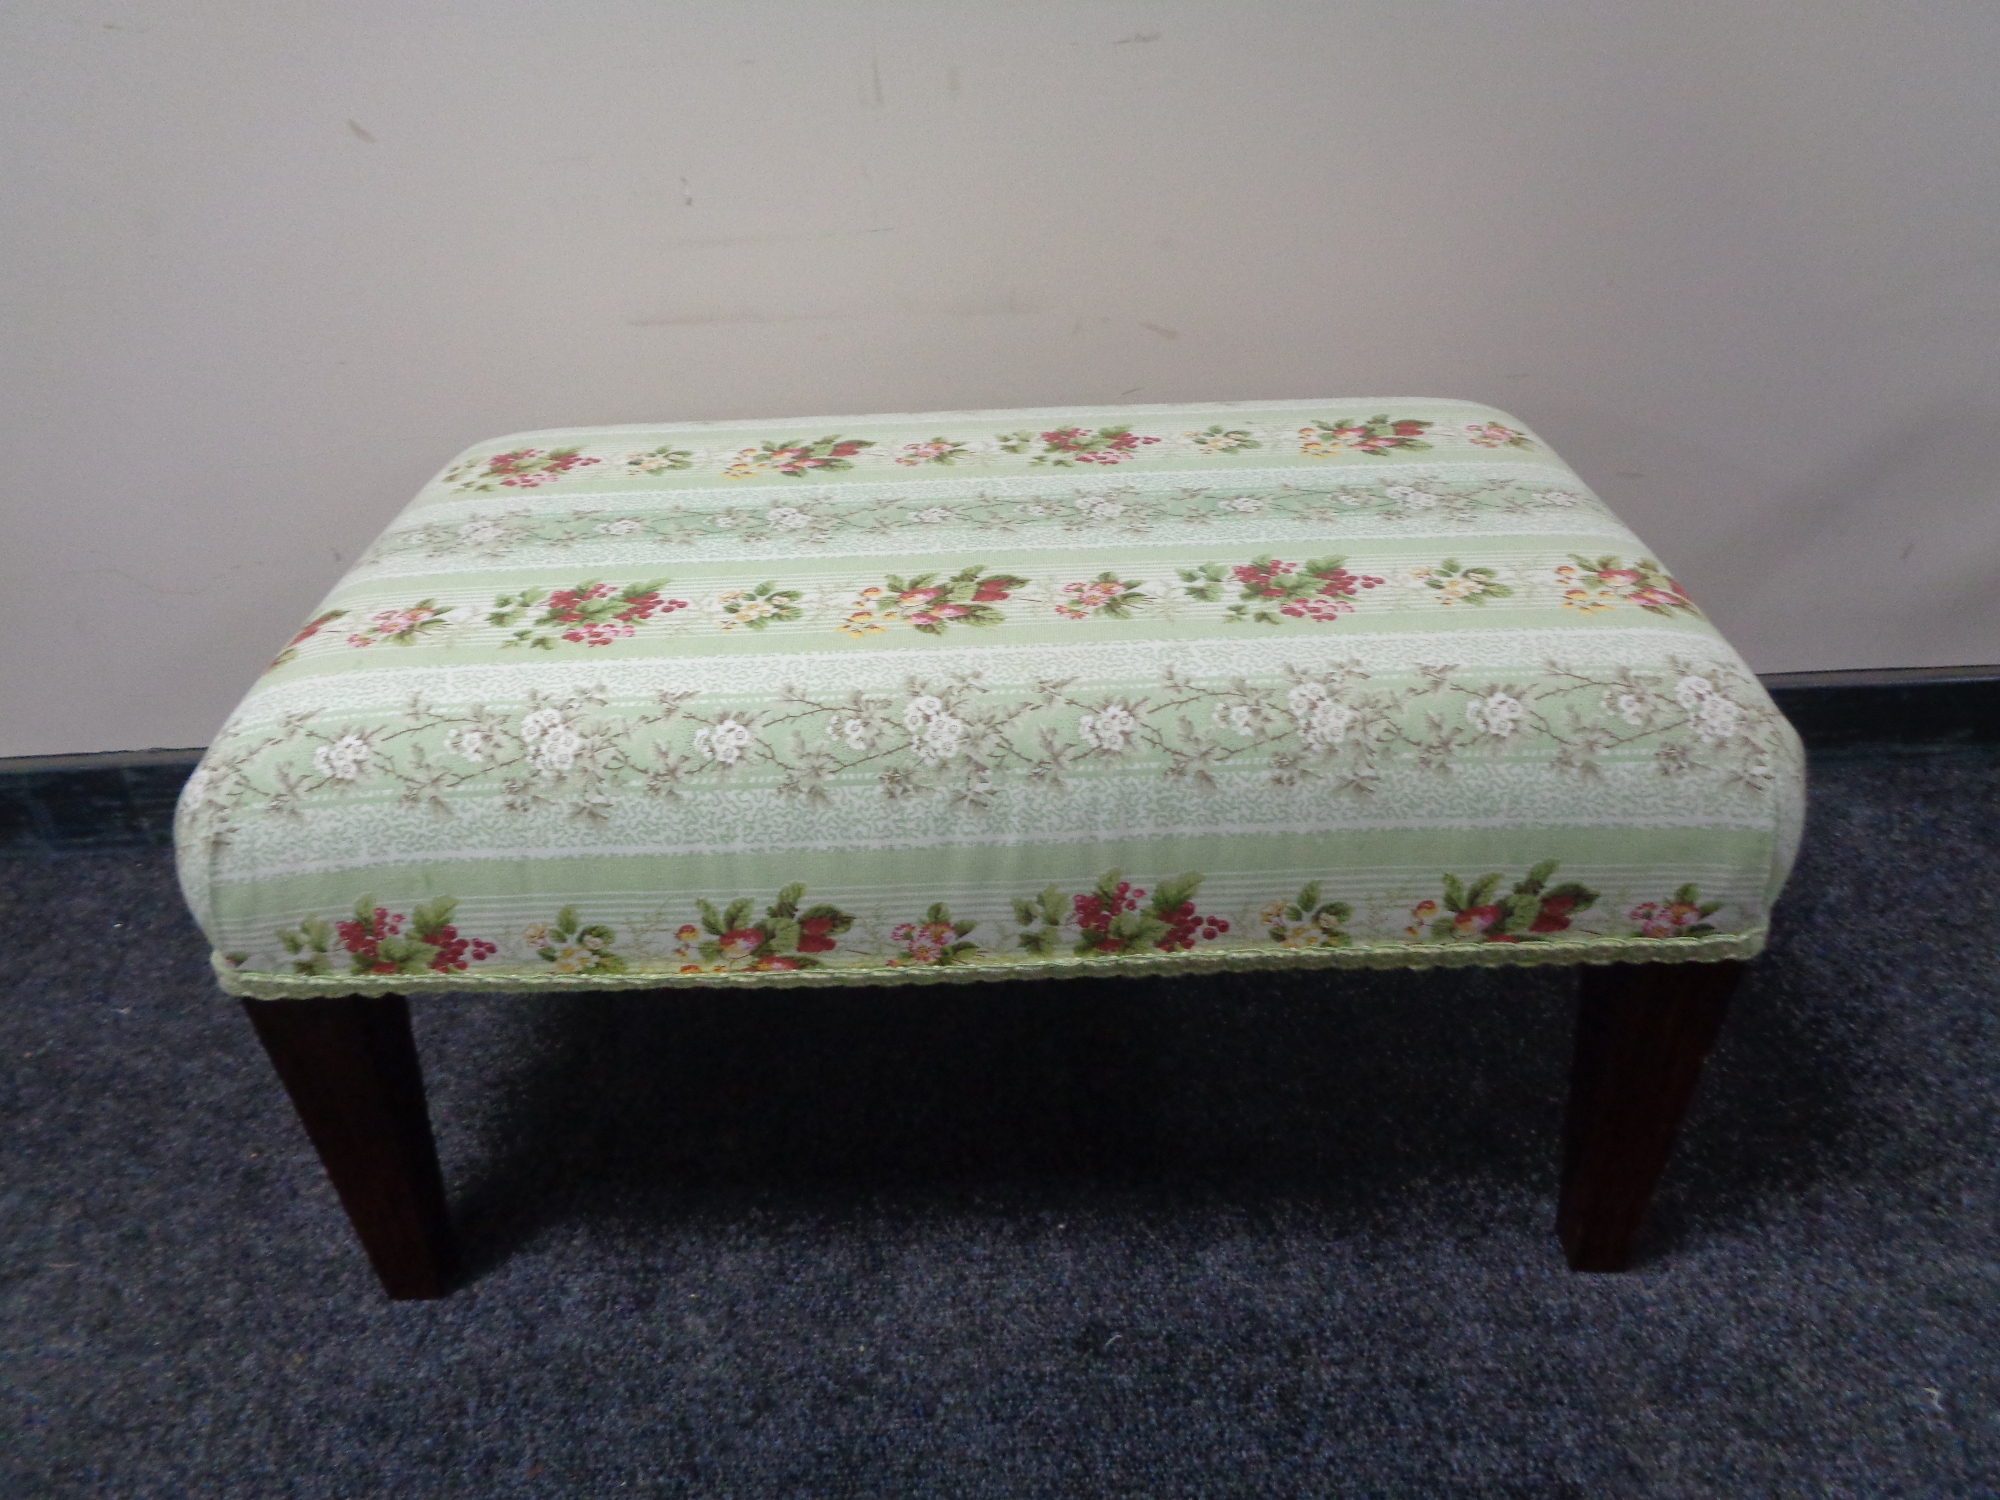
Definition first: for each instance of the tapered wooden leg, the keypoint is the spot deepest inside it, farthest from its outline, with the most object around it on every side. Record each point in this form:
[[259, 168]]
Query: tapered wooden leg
[[351, 1068], [1642, 1034]]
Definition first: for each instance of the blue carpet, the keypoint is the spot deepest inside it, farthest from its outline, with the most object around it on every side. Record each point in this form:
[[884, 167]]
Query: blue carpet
[[1247, 1235]]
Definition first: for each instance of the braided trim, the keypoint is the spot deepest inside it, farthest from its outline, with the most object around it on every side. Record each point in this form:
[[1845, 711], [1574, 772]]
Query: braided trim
[[1716, 949]]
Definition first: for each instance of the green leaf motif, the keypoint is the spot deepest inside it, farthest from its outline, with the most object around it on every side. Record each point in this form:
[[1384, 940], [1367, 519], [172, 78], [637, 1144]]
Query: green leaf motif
[[431, 916], [1170, 895]]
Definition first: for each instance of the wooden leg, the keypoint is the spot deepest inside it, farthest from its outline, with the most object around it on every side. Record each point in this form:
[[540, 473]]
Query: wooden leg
[[351, 1068], [1642, 1034]]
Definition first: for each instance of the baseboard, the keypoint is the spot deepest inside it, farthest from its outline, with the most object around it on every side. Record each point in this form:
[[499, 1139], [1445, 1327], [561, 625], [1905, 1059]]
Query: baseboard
[[1890, 711], [124, 799]]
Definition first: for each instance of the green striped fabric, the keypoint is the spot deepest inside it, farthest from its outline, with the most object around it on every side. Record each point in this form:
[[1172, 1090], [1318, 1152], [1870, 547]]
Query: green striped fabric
[[975, 695]]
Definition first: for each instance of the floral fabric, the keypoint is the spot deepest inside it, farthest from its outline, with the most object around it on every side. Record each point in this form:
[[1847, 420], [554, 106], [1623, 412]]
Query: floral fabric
[[981, 695]]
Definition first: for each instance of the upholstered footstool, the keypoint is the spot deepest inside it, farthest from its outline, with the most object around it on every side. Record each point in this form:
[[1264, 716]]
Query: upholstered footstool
[[1143, 690]]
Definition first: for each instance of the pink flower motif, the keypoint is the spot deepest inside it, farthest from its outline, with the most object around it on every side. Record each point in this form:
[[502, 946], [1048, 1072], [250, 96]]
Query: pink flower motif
[[1658, 598], [1082, 599], [1496, 435], [1474, 920], [924, 942], [914, 454], [741, 942], [1668, 921]]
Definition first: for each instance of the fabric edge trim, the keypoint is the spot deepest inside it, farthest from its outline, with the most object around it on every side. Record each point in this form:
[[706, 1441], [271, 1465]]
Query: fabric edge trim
[[1718, 949]]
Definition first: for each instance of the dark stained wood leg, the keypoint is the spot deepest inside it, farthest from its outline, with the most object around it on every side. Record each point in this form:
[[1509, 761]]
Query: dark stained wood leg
[[1642, 1034], [351, 1068]]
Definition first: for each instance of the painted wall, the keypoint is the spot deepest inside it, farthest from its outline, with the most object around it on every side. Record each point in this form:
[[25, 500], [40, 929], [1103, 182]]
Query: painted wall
[[268, 265]]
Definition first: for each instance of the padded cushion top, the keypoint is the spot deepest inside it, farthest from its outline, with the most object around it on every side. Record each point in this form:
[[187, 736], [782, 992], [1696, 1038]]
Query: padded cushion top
[[990, 694]]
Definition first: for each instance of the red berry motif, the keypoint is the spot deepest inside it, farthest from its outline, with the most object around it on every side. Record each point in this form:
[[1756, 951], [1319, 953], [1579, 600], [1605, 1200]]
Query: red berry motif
[[376, 942], [522, 469], [1065, 447], [1318, 589], [1185, 926], [1119, 917], [590, 614]]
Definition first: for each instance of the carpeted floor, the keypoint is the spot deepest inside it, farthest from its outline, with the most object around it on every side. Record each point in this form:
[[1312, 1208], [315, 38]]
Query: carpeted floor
[[1109, 1239]]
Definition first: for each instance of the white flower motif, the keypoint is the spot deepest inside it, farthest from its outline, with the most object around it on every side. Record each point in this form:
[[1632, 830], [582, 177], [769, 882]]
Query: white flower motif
[[1716, 720], [941, 739], [536, 936], [623, 526], [1693, 690], [936, 734], [479, 533], [1631, 709], [1100, 509], [1243, 505], [1328, 725], [469, 743], [1414, 499], [557, 750], [1108, 729], [464, 614], [724, 741], [1760, 776], [1497, 714], [856, 732], [1558, 498], [552, 744], [935, 515], [1237, 716], [344, 759], [1034, 510], [787, 517], [1322, 721]]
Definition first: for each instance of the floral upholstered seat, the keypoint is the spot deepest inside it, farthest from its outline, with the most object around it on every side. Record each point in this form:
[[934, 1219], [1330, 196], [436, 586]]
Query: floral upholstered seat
[[979, 695]]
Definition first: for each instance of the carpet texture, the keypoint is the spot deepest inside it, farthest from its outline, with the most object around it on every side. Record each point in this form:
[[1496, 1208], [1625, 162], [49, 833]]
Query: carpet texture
[[1242, 1235]]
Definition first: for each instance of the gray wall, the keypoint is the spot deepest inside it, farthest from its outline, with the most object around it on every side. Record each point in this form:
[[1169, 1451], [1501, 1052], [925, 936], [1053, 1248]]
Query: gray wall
[[267, 266]]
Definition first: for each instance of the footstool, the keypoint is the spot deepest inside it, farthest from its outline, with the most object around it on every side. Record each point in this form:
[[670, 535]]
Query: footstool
[[1137, 690]]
